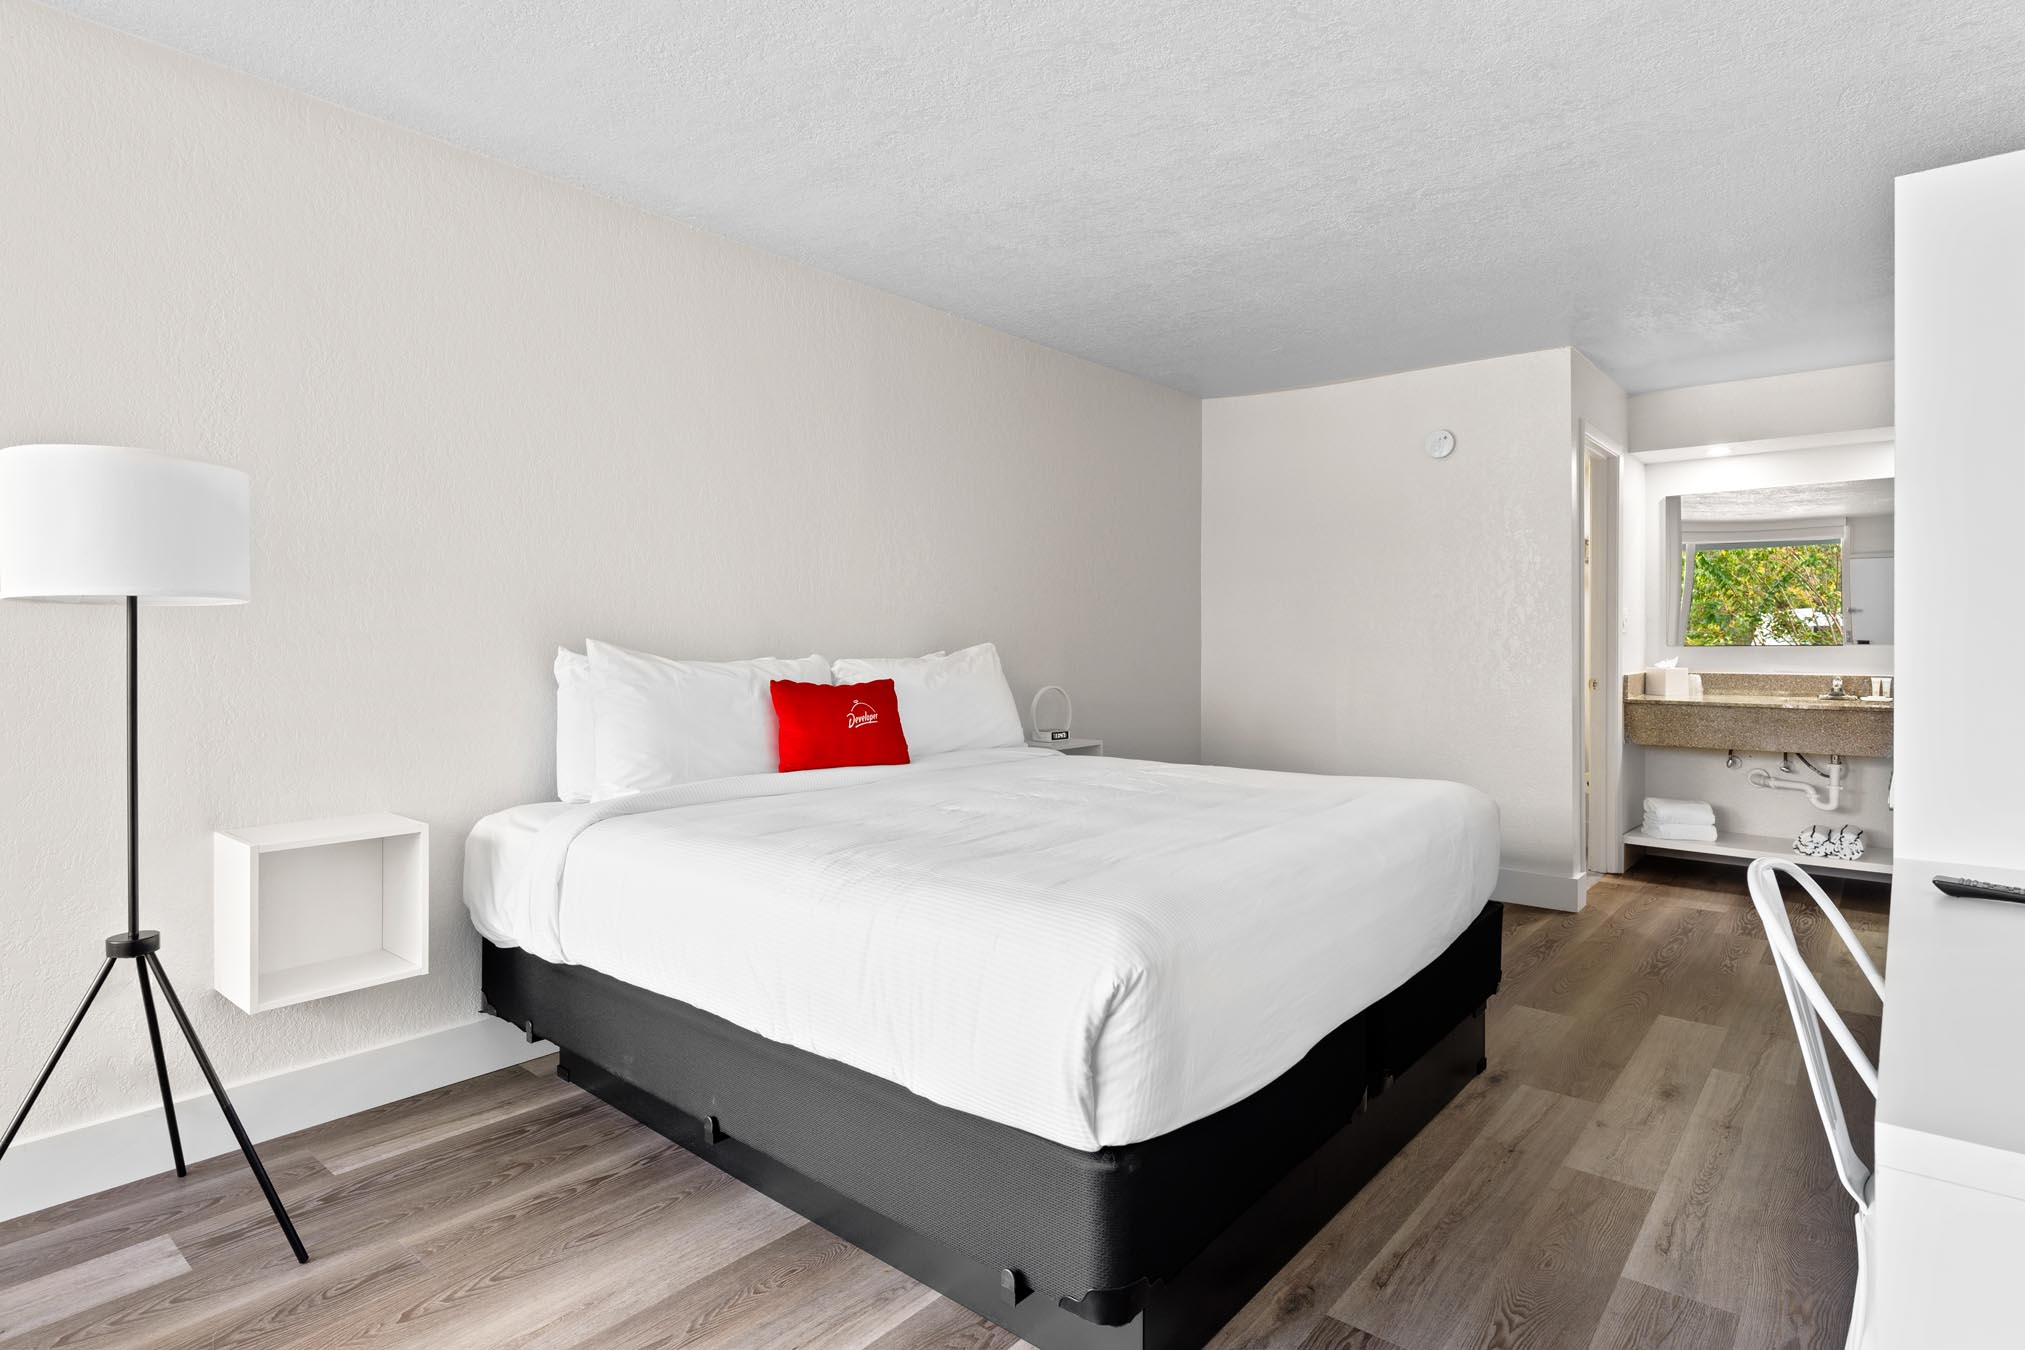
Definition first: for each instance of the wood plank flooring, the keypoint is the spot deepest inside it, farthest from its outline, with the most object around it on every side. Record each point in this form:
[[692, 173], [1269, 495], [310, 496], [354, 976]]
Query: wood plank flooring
[[1641, 1167]]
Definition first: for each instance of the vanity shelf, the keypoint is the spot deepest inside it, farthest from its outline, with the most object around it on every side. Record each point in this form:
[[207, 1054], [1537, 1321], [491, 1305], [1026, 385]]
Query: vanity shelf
[[1876, 860]]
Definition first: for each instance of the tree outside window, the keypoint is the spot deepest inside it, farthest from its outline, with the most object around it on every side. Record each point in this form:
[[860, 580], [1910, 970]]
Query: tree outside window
[[1765, 595]]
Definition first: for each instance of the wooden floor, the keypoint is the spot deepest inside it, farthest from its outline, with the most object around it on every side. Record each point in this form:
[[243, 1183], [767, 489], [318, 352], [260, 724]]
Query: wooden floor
[[1641, 1166]]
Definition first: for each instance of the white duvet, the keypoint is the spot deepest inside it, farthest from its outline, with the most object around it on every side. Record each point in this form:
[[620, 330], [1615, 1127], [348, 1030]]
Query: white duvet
[[1094, 950]]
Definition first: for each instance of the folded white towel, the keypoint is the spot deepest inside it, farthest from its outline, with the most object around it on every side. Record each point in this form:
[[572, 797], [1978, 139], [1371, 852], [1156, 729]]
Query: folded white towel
[[1683, 812], [1674, 829]]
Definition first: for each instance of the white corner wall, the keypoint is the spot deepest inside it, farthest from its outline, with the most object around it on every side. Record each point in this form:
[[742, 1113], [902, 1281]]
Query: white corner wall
[[484, 414], [1369, 610], [1960, 346]]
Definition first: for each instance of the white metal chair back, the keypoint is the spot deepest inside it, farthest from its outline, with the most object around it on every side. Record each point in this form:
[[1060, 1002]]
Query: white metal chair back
[[1808, 1003], [1811, 1010]]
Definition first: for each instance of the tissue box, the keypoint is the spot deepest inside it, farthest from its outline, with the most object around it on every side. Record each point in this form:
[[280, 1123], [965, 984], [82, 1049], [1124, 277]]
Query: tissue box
[[1668, 682]]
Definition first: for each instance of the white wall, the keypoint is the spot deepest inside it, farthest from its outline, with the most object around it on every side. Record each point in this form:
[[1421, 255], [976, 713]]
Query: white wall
[[1845, 398], [1871, 535], [1369, 610], [484, 413], [1961, 401], [1598, 400]]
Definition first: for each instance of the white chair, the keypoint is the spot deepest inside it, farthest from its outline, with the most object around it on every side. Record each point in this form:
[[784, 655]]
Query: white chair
[[1811, 1010]]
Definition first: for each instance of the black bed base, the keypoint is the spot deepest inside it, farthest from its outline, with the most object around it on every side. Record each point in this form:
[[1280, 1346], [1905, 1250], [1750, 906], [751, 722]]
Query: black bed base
[[1145, 1246], [1180, 1313]]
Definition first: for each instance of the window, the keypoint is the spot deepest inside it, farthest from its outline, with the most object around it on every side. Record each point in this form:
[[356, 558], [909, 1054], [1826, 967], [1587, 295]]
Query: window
[[1763, 593]]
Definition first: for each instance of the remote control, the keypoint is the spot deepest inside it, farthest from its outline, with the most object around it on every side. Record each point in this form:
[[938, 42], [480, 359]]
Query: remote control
[[1979, 890]]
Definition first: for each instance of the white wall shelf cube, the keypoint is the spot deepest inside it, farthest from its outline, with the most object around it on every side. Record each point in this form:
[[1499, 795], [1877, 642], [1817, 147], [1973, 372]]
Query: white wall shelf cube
[[318, 907]]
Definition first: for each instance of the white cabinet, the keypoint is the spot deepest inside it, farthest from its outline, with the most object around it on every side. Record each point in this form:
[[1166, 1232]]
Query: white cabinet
[[318, 907]]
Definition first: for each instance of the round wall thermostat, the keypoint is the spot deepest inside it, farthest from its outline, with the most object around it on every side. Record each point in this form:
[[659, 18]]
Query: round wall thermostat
[[1440, 444]]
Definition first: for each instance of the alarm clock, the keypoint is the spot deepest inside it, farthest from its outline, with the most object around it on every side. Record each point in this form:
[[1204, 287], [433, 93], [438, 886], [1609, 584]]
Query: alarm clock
[[1051, 733]]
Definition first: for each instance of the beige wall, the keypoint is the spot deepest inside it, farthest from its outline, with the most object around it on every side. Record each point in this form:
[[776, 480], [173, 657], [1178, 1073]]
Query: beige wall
[[485, 413], [1369, 610], [1845, 398]]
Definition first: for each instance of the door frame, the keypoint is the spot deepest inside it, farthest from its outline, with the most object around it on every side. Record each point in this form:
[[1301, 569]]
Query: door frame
[[1599, 618]]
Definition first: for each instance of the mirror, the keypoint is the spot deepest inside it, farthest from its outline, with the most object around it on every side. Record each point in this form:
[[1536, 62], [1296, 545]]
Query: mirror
[[1803, 566]]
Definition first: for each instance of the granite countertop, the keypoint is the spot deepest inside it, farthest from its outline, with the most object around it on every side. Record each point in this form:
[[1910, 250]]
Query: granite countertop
[[1738, 699]]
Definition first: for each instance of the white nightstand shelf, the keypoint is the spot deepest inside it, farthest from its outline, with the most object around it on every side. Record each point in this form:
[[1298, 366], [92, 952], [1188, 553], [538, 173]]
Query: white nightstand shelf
[[318, 907], [1075, 745]]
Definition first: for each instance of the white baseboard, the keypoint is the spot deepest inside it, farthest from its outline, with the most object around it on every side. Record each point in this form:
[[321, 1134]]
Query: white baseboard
[[85, 1159], [1543, 890]]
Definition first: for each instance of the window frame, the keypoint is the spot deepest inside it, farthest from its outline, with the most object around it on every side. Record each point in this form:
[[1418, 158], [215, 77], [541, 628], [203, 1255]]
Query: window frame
[[1786, 533]]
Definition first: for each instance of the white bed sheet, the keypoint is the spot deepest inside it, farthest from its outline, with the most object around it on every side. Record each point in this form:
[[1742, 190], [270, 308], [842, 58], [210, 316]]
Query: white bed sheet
[[1095, 950], [495, 859]]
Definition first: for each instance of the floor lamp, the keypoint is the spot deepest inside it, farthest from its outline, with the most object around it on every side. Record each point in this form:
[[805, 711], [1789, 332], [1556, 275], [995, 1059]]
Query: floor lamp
[[99, 523]]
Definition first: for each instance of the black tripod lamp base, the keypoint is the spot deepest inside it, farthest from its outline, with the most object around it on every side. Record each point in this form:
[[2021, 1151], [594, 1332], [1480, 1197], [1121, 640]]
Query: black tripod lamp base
[[132, 946], [140, 947]]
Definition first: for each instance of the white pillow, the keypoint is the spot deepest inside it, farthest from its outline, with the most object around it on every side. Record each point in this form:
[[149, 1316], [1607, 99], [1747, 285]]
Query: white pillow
[[662, 722], [576, 765], [954, 702]]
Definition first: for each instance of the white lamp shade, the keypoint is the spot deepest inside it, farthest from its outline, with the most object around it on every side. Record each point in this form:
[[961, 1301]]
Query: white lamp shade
[[102, 522]]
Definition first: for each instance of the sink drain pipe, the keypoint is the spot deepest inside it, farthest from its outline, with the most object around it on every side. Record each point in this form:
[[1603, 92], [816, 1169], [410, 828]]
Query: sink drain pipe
[[1826, 798]]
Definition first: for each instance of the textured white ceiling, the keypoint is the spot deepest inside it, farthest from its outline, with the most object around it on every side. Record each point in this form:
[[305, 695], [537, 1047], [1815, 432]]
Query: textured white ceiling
[[1800, 501], [1228, 196]]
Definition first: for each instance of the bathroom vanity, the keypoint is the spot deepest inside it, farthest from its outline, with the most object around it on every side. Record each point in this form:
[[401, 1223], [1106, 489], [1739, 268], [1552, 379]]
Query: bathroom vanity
[[1763, 725]]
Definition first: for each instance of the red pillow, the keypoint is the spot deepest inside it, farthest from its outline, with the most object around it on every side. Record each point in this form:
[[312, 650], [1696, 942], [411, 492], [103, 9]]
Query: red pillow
[[832, 726]]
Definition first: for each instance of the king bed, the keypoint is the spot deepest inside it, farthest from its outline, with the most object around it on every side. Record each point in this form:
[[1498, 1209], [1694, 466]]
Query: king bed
[[1090, 1045]]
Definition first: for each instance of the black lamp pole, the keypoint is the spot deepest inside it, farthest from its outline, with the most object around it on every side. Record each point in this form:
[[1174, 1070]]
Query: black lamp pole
[[140, 947]]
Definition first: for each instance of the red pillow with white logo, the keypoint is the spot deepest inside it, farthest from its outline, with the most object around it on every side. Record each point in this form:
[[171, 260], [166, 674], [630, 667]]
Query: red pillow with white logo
[[834, 726]]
